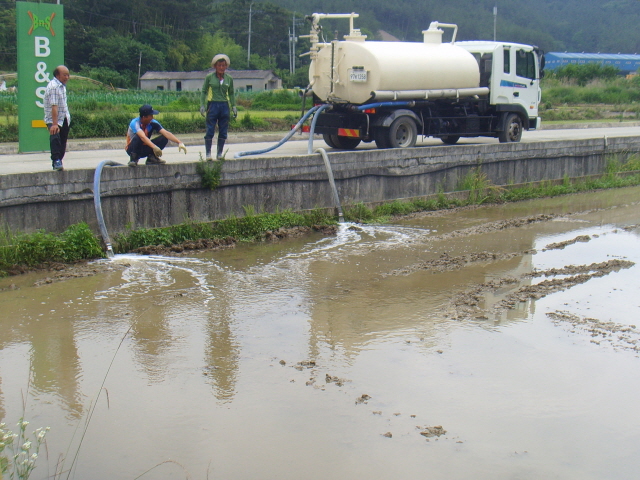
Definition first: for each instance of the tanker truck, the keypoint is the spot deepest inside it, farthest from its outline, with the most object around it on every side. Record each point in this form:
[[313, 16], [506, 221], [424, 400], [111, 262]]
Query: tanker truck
[[391, 92]]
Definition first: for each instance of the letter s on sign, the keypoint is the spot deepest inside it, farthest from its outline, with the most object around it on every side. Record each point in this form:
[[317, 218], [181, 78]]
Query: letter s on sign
[[40, 94]]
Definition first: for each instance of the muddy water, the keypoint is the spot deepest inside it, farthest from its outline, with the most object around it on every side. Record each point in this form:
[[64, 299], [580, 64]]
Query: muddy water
[[495, 342]]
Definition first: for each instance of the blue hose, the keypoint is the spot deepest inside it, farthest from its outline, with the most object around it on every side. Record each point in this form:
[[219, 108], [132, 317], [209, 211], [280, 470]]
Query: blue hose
[[281, 142], [98, 204], [384, 104]]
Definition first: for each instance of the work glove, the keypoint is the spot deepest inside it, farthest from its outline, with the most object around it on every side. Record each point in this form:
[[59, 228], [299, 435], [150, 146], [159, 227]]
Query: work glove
[[157, 151], [202, 110], [182, 148], [235, 112]]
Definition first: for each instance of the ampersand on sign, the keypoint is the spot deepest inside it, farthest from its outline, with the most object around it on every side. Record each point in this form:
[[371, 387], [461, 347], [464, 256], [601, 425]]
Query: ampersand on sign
[[41, 75]]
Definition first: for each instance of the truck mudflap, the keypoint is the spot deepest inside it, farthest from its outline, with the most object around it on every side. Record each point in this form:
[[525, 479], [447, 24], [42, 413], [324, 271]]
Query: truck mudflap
[[535, 123]]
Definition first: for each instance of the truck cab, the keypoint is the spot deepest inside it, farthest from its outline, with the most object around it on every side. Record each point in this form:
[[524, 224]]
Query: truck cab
[[512, 72]]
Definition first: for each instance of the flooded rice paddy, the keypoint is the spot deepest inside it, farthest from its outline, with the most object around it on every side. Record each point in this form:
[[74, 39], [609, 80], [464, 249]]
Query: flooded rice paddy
[[492, 342]]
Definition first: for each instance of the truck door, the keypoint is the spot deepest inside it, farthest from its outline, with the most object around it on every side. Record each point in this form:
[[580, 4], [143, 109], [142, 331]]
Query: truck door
[[519, 82], [526, 73]]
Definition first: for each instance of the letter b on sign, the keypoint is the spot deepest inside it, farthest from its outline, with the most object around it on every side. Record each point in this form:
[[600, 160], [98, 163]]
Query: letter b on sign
[[42, 47]]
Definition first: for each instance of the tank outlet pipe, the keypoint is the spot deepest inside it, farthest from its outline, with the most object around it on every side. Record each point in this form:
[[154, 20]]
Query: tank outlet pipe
[[332, 183], [281, 142], [98, 204], [312, 130], [427, 94]]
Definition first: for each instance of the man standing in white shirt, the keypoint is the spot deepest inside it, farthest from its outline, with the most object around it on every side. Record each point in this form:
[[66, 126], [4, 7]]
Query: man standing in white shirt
[[56, 115]]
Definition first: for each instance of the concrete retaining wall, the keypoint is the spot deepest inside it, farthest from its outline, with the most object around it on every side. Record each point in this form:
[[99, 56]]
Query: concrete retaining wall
[[170, 194]]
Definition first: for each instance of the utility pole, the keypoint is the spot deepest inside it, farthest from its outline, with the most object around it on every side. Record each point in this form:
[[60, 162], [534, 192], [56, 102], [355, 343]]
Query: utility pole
[[495, 21], [139, 65], [249, 42], [293, 43], [290, 53]]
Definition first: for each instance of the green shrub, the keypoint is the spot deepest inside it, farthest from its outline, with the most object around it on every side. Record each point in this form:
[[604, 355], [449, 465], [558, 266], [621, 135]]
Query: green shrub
[[100, 124], [252, 123], [250, 227], [8, 105], [31, 249], [276, 100], [9, 132], [583, 74], [210, 172], [79, 243]]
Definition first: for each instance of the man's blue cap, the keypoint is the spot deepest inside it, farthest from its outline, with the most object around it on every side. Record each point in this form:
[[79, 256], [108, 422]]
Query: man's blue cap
[[147, 110]]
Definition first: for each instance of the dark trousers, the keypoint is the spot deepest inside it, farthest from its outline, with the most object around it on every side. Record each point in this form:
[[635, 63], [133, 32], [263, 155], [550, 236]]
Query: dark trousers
[[142, 150], [58, 142], [217, 112]]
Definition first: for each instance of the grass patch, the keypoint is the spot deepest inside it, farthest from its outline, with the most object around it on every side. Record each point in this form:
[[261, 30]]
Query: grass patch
[[482, 192], [251, 227], [33, 249], [623, 163]]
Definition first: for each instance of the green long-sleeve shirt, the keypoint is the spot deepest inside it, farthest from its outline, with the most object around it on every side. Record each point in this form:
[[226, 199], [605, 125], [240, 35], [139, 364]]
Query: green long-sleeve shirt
[[215, 91]]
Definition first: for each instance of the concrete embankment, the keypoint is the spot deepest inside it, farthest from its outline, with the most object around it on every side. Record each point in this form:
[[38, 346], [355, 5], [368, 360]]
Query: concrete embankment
[[172, 193]]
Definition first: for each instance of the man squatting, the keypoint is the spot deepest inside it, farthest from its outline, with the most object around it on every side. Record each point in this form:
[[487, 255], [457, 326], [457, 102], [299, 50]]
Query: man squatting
[[139, 144]]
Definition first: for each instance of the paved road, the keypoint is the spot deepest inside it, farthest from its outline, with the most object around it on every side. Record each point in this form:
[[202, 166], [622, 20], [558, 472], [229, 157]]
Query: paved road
[[85, 154]]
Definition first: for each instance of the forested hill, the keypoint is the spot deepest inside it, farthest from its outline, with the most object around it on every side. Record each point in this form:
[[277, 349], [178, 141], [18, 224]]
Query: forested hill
[[555, 25], [105, 39]]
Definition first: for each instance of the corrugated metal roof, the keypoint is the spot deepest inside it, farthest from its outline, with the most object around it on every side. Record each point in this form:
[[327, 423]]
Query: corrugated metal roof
[[594, 56], [199, 75], [624, 62]]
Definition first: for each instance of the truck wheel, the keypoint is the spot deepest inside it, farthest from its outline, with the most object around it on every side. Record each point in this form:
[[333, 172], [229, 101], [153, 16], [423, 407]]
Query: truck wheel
[[512, 129], [328, 139], [345, 143], [403, 133], [450, 139]]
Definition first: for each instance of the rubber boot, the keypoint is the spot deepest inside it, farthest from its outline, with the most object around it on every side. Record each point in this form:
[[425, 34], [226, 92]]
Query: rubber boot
[[220, 147], [207, 149], [153, 160], [133, 160]]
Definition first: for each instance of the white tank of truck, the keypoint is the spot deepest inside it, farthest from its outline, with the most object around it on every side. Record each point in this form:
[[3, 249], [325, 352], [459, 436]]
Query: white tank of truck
[[356, 71]]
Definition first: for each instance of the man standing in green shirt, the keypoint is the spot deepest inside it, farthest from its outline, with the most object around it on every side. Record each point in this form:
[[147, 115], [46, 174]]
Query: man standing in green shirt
[[218, 96]]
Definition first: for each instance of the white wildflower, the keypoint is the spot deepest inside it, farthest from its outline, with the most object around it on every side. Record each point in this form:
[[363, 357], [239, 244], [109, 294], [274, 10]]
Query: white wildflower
[[34, 456], [26, 445]]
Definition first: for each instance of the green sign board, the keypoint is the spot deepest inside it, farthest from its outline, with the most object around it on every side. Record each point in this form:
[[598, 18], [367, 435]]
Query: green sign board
[[40, 32]]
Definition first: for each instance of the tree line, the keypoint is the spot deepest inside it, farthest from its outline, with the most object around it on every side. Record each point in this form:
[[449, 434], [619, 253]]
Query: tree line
[[111, 40]]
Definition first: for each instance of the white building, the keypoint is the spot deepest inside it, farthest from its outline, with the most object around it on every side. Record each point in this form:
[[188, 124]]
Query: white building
[[243, 80]]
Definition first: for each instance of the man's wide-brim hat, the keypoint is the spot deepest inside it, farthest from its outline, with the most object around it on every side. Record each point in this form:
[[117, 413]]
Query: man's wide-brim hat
[[147, 110], [218, 57]]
